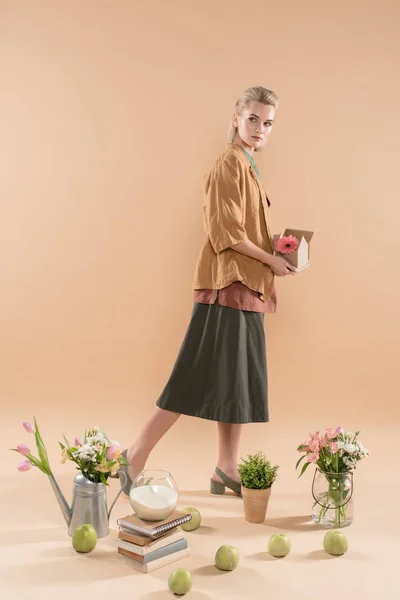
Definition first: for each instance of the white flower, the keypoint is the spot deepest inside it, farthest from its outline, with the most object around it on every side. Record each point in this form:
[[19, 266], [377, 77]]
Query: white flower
[[350, 448], [100, 438], [340, 444], [363, 451], [85, 452]]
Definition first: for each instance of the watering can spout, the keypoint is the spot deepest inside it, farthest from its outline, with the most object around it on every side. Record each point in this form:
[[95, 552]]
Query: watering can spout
[[63, 504]]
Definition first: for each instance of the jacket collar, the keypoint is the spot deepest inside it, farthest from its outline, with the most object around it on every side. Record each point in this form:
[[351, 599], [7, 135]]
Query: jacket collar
[[237, 149]]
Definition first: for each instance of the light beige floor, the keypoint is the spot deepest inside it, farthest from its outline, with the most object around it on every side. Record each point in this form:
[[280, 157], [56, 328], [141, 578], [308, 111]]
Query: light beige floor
[[38, 561]]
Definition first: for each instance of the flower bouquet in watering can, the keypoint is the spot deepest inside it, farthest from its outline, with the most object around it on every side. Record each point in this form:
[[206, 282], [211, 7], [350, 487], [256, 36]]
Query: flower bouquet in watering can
[[335, 454], [97, 458]]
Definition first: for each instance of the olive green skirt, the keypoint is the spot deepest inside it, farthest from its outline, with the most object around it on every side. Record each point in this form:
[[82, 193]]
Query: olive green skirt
[[221, 370]]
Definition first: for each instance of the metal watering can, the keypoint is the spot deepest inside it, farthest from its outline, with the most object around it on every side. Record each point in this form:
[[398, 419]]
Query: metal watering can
[[89, 504]]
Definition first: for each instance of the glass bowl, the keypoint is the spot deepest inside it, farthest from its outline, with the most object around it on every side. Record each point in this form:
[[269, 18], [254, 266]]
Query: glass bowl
[[154, 495]]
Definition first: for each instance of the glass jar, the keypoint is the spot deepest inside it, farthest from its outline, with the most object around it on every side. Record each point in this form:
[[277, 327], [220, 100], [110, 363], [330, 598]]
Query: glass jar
[[333, 498], [154, 495]]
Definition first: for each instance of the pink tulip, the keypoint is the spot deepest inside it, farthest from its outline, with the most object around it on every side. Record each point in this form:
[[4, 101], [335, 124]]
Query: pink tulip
[[78, 441], [22, 449], [25, 465], [111, 452], [339, 430], [28, 427]]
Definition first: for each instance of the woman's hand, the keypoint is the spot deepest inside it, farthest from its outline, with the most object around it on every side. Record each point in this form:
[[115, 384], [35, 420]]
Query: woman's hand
[[280, 266]]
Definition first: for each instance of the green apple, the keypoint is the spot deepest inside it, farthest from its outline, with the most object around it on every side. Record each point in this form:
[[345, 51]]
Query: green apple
[[180, 581], [84, 538], [335, 542], [279, 545], [195, 521], [227, 558]]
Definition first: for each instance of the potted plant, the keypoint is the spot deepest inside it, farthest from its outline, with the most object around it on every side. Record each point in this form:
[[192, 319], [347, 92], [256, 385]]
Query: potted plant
[[257, 476]]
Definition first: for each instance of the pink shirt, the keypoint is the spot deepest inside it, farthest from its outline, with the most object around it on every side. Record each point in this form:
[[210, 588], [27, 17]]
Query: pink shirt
[[237, 295]]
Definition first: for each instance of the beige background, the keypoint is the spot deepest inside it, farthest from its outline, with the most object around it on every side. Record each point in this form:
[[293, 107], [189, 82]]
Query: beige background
[[111, 112]]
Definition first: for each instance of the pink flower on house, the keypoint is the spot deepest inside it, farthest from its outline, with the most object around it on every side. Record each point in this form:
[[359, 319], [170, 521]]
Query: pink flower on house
[[22, 449], [25, 465], [28, 427], [287, 244]]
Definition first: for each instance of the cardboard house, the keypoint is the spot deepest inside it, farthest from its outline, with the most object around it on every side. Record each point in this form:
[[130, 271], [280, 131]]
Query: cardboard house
[[300, 258]]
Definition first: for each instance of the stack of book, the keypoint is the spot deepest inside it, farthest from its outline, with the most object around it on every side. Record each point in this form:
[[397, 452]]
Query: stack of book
[[147, 546]]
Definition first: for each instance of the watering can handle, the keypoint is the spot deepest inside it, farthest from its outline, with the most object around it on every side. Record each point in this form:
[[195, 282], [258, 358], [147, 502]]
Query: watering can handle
[[119, 493]]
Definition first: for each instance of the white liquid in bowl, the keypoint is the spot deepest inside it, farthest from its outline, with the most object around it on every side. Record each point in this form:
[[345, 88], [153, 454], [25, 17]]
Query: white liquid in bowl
[[153, 505]]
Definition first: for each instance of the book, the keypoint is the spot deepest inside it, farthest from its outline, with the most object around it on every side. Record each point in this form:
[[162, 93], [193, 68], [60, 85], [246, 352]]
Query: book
[[144, 545], [123, 548], [135, 538], [156, 564], [133, 524]]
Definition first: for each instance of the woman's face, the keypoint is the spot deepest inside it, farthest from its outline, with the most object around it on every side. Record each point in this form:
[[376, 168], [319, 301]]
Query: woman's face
[[255, 124]]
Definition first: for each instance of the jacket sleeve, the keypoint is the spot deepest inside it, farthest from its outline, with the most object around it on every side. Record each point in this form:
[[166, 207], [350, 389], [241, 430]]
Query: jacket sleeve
[[223, 207]]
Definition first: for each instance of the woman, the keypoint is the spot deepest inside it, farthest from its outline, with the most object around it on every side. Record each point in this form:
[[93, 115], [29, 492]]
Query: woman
[[221, 372]]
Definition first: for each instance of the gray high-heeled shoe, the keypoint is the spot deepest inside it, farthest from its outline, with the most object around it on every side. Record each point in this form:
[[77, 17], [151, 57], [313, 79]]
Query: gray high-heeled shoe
[[216, 487], [125, 480]]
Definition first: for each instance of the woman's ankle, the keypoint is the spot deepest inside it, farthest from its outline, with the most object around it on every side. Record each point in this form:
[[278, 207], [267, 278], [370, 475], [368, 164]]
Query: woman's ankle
[[229, 469]]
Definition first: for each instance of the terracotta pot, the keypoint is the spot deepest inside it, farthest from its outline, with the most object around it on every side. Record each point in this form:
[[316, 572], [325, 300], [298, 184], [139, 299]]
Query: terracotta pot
[[255, 503]]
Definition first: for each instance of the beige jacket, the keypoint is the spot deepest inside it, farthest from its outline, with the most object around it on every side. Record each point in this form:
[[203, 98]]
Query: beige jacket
[[235, 208]]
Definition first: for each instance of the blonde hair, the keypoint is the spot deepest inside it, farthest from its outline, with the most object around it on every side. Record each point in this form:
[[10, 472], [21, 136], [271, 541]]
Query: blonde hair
[[252, 94]]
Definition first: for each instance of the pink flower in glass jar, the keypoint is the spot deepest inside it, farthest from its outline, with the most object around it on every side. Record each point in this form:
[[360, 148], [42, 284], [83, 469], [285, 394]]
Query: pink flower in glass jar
[[331, 433], [313, 457]]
